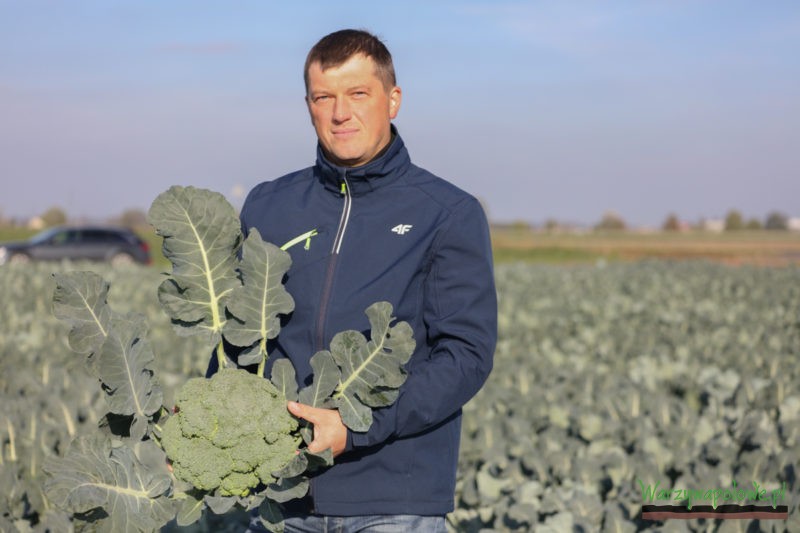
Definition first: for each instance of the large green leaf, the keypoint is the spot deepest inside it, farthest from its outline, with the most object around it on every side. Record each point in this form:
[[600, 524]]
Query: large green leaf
[[262, 297], [124, 366], [80, 300], [95, 475], [120, 356], [202, 236], [372, 371]]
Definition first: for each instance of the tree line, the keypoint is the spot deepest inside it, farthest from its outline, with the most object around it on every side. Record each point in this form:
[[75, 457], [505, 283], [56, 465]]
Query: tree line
[[611, 221], [733, 221]]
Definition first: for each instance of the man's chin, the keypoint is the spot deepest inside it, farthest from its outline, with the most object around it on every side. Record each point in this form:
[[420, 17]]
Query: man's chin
[[346, 160]]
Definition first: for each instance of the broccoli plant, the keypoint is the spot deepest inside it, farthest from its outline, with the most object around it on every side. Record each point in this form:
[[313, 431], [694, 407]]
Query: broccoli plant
[[229, 441]]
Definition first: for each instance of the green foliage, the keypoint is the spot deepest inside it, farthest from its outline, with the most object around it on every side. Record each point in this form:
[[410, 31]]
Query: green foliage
[[687, 373], [95, 474], [231, 431], [201, 239], [776, 221], [48, 397], [54, 216], [356, 374], [734, 221], [671, 223], [232, 442], [115, 345], [256, 304], [602, 375], [753, 224]]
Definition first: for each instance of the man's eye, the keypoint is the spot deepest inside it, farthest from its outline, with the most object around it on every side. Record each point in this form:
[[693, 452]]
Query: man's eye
[[321, 98]]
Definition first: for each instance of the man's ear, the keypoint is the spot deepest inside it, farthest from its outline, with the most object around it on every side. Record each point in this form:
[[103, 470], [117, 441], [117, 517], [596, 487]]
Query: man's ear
[[395, 98]]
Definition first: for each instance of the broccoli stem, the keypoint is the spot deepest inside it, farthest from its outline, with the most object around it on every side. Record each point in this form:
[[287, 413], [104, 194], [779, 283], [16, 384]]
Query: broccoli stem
[[221, 359], [12, 449], [262, 365]]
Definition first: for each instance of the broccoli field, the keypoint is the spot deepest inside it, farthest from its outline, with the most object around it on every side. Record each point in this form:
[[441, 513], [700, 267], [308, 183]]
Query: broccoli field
[[612, 382]]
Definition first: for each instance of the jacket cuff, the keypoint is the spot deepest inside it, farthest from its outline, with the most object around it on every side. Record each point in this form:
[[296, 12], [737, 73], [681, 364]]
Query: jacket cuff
[[349, 443]]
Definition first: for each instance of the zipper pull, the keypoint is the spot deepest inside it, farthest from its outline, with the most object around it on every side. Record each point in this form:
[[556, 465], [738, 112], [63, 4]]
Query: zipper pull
[[308, 239], [343, 190]]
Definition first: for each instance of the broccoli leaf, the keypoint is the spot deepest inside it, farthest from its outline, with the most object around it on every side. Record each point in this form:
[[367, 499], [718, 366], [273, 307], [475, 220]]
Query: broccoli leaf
[[94, 474], [319, 460], [287, 489], [257, 303], [284, 378], [296, 466], [80, 299], [355, 414], [124, 369], [191, 509], [326, 378], [271, 514], [220, 504], [202, 236], [121, 358], [371, 370]]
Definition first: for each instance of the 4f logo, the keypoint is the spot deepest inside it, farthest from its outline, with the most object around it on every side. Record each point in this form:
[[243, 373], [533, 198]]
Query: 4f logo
[[402, 229]]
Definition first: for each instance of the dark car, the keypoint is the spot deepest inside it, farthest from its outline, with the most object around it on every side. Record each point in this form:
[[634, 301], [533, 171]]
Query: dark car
[[114, 245]]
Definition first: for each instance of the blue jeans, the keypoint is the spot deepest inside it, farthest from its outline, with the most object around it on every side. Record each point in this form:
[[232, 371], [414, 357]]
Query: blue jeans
[[359, 524]]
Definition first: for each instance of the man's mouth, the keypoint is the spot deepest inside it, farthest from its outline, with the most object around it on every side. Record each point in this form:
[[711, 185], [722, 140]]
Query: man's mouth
[[345, 132]]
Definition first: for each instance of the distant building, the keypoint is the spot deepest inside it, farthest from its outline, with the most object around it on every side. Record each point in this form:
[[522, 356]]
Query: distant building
[[36, 223], [793, 224], [714, 225]]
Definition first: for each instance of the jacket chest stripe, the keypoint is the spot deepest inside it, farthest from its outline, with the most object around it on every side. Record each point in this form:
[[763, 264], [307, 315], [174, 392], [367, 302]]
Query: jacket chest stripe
[[348, 201]]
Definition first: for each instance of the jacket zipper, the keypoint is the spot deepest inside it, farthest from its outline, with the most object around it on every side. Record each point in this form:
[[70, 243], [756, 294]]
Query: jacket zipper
[[348, 200], [326, 290], [334, 258]]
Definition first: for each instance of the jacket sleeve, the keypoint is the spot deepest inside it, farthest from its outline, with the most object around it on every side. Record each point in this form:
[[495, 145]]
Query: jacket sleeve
[[460, 317]]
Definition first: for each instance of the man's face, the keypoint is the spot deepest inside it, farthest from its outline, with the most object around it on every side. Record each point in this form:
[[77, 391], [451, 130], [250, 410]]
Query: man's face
[[351, 110]]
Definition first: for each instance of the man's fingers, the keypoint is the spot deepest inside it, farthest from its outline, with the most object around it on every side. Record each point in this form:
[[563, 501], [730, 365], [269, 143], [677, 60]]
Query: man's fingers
[[306, 412], [296, 409], [329, 431]]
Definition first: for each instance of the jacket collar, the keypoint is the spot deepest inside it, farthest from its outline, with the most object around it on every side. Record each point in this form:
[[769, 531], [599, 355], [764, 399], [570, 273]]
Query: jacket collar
[[361, 180]]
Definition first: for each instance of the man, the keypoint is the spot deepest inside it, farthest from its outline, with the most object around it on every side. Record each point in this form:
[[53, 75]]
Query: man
[[379, 228]]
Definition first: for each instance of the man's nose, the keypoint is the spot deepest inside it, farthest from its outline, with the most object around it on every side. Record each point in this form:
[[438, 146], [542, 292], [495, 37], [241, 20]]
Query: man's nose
[[341, 110]]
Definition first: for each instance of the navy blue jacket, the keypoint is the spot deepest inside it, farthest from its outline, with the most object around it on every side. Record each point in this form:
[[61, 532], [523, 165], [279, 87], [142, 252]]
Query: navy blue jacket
[[393, 232]]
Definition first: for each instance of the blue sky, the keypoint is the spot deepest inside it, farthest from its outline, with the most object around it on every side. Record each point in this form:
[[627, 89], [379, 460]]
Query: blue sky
[[542, 109]]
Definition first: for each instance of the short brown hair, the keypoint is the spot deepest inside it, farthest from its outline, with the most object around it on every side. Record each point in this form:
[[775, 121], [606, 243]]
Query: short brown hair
[[336, 48]]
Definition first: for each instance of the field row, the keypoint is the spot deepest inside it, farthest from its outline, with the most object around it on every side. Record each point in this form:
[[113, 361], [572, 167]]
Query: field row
[[765, 248]]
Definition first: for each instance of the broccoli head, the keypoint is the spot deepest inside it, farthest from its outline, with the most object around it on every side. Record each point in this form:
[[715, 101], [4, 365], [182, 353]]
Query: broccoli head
[[230, 432]]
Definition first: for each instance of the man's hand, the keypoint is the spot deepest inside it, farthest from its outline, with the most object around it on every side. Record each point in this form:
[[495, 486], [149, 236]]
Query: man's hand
[[329, 431]]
